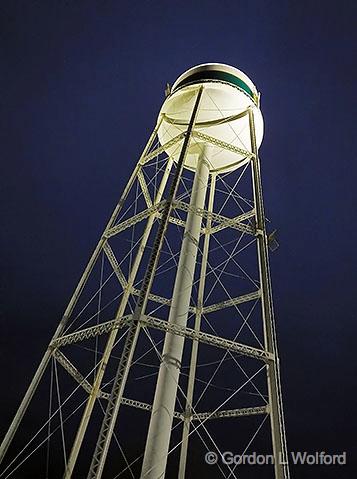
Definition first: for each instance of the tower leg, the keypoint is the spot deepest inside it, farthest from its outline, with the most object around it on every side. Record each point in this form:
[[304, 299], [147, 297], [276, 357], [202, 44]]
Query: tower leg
[[107, 428], [158, 438], [61, 327], [112, 337], [273, 374]]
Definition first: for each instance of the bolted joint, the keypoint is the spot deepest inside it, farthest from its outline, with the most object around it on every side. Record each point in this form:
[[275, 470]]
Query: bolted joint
[[187, 413]]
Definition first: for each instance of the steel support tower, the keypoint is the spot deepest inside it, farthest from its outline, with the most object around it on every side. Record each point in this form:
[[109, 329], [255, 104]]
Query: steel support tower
[[180, 277]]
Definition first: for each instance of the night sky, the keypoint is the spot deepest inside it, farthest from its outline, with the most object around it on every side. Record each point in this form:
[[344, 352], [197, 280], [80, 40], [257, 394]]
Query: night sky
[[81, 86]]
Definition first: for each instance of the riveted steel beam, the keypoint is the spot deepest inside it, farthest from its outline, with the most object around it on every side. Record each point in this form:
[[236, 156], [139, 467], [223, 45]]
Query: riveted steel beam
[[246, 411], [159, 299], [215, 217], [134, 220], [222, 144], [231, 302], [206, 338], [91, 332], [115, 265], [144, 188], [162, 149]]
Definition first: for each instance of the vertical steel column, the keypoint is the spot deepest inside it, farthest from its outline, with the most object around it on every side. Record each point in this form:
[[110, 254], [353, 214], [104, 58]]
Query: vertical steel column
[[113, 335], [72, 303], [111, 413], [194, 352], [273, 375], [158, 439]]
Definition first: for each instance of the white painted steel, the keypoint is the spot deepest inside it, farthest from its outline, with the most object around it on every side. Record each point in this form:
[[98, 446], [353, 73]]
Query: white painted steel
[[221, 103]]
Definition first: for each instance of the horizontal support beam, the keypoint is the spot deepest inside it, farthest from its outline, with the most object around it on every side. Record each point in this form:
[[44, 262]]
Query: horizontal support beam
[[206, 338], [153, 297], [176, 221], [91, 332], [231, 302], [134, 219], [108, 326], [224, 222], [160, 299], [206, 123], [145, 406], [246, 411], [215, 217], [222, 144], [162, 149], [167, 327]]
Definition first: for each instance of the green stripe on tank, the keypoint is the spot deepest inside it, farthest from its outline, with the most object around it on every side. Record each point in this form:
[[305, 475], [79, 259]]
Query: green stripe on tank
[[218, 75]]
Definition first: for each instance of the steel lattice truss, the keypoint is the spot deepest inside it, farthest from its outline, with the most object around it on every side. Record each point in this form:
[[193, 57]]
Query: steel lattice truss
[[105, 355]]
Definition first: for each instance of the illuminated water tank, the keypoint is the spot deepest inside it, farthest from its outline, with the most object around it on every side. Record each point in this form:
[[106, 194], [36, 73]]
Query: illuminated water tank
[[227, 94]]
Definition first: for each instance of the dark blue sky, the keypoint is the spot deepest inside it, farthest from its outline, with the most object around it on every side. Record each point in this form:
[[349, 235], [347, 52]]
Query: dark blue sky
[[81, 86]]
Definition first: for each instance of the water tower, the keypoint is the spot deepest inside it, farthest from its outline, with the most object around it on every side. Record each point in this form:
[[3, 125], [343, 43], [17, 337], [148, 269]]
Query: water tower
[[171, 269]]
